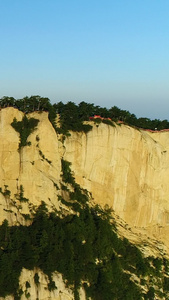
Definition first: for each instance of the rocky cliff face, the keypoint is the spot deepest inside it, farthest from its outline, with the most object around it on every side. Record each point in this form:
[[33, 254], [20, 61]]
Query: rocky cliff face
[[30, 166], [40, 290], [127, 169]]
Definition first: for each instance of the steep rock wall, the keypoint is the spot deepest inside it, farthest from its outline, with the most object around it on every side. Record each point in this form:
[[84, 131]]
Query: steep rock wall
[[127, 169], [28, 167]]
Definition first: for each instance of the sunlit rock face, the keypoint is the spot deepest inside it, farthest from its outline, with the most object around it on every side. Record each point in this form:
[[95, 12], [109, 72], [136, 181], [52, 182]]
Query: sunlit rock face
[[30, 166], [126, 168]]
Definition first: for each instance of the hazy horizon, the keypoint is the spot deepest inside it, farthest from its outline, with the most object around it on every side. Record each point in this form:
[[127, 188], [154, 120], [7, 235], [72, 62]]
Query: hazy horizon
[[107, 53]]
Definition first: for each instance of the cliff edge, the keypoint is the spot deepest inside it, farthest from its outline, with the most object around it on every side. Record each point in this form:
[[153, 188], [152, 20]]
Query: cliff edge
[[120, 166]]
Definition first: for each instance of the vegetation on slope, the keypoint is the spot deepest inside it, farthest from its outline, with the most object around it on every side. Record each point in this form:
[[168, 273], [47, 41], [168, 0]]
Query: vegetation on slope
[[72, 116], [25, 128], [81, 243]]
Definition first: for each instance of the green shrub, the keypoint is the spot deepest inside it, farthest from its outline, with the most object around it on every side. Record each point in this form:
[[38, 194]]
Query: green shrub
[[36, 278], [6, 192], [43, 157], [51, 285], [20, 195], [108, 122], [27, 285], [25, 128]]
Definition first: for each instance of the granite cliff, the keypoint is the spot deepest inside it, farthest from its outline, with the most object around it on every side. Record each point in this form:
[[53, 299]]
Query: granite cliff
[[127, 169], [120, 166]]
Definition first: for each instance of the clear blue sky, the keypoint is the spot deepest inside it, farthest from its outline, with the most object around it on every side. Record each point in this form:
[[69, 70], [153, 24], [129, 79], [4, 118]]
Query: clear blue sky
[[109, 53]]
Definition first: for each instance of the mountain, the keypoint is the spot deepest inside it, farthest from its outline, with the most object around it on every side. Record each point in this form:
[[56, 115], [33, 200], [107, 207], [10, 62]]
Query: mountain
[[84, 216]]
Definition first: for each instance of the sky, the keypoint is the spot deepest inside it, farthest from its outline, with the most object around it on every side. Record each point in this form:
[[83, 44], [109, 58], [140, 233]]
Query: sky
[[108, 53]]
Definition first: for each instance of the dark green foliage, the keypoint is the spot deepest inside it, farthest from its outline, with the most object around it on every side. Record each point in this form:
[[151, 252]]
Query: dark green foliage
[[27, 294], [157, 262], [97, 120], [36, 278], [166, 265], [56, 186], [66, 172], [72, 116], [166, 283], [37, 138], [150, 294], [132, 257], [5, 192], [83, 246], [20, 195], [108, 122], [4, 235], [51, 285], [28, 285], [26, 217], [25, 128], [44, 158]]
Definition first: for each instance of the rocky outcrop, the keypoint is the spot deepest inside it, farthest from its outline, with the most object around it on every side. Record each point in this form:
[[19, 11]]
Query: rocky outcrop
[[127, 169], [36, 167], [39, 290], [123, 167]]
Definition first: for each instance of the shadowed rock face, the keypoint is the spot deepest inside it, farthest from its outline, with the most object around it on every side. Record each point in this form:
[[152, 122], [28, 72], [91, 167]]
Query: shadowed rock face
[[127, 169]]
